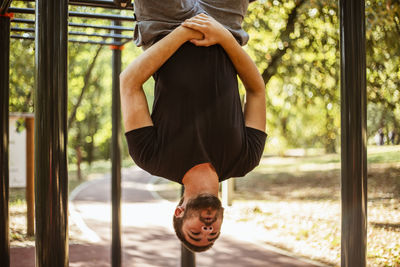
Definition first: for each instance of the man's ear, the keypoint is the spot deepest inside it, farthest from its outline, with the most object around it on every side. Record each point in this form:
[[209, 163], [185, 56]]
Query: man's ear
[[179, 211]]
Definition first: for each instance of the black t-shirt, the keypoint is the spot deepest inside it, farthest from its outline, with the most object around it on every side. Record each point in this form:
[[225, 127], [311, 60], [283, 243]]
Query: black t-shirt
[[197, 119]]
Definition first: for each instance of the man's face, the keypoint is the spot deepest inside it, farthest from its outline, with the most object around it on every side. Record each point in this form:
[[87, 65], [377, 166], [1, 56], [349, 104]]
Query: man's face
[[202, 220], [202, 227]]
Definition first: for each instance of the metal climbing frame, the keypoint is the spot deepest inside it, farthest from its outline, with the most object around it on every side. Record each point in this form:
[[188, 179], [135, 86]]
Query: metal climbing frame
[[4, 127], [353, 133], [51, 37], [51, 178]]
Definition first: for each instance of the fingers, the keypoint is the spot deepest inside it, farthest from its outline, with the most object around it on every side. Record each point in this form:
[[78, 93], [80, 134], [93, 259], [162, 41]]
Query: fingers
[[202, 15], [202, 42], [198, 20], [195, 26]]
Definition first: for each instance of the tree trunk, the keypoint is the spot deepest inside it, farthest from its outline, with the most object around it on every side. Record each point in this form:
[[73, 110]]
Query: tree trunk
[[396, 130], [330, 143], [78, 162], [90, 150], [285, 38]]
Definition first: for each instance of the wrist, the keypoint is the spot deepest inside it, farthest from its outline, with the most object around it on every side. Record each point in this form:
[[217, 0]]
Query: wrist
[[227, 39], [182, 33]]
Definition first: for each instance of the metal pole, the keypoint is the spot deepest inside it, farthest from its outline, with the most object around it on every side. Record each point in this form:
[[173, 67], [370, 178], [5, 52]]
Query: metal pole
[[30, 180], [188, 258], [227, 190], [4, 140], [353, 133], [116, 156], [51, 177]]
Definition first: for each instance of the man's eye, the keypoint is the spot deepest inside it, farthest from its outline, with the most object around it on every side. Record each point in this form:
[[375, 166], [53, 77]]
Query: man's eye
[[213, 234], [193, 233]]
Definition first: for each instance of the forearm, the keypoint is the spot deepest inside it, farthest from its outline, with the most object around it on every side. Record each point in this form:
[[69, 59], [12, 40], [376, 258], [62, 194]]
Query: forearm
[[141, 69], [244, 65], [254, 109]]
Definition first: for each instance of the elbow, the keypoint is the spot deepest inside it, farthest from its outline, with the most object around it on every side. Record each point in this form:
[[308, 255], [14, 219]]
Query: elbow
[[125, 79], [128, 82], [255, 86], [258, 90], [122, 80], [260, 86]]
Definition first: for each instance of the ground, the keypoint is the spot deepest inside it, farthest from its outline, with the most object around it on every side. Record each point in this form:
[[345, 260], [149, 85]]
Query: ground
[[294, 203]]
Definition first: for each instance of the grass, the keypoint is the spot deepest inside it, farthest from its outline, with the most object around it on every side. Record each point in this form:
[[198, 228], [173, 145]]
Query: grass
[[296, 202]]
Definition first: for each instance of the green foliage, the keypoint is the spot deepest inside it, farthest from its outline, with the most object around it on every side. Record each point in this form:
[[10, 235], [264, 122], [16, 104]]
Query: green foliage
[[383, 65], [22, 69], [296, 46]]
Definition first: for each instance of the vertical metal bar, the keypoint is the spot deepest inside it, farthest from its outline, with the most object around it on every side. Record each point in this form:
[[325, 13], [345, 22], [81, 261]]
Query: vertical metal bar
[[30, 180], [116, 156], [227, 191], [4, 5], [188, 258], [4, 140], [354, 154], [51, 177]]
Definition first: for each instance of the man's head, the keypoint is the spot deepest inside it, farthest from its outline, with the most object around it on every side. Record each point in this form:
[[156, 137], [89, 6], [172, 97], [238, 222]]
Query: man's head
[[198, 223]]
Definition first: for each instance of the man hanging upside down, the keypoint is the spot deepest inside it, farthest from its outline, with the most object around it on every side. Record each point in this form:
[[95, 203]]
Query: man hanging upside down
[[197, 134]]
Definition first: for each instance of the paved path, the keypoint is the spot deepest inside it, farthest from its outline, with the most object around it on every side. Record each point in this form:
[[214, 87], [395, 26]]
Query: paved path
[[148, 238]]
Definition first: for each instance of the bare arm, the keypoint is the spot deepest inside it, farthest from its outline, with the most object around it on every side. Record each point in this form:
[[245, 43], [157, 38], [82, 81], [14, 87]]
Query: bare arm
[[135, 111], [215, 33]]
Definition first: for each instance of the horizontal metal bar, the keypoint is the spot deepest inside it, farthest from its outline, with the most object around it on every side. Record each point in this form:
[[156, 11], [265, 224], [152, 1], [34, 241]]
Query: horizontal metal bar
[[101, 16], [95, 42], [92, 3], [26, 21], [118, 28], [72, 40], [115, 36], [22, 37], [76, 14], [81, 25], [16, 29], [99, 3], [21, 10]]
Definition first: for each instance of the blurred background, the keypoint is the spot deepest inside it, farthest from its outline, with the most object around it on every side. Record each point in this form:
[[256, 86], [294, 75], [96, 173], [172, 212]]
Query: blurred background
[[294, 194]]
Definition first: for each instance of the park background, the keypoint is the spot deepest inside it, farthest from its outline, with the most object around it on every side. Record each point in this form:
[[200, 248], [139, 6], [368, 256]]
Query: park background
[[294, 195]]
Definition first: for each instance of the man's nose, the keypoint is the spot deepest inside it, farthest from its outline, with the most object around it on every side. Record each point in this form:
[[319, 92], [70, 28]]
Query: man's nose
[[207, 228]]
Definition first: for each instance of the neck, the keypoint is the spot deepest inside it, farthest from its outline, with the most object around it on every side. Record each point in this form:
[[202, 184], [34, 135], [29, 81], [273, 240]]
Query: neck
[[201, 179]]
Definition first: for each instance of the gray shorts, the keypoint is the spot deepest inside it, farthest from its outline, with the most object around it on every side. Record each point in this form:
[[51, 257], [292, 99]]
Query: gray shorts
[[157, 18]]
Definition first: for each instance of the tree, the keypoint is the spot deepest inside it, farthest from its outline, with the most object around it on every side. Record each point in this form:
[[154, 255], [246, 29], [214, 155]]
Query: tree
[[383, 65], [295, 45]]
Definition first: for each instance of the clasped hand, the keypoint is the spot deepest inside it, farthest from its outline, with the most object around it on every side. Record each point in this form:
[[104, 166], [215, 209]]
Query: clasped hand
[[213, 32]]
